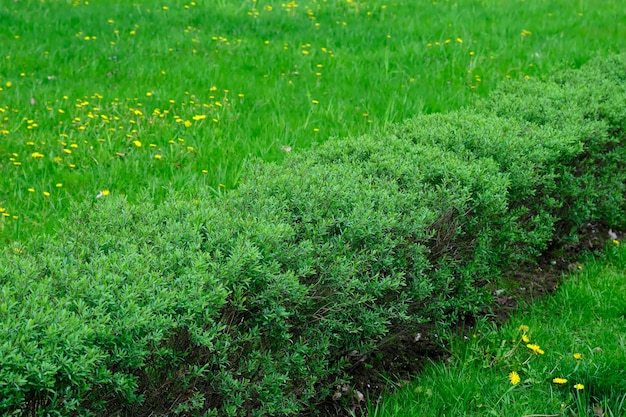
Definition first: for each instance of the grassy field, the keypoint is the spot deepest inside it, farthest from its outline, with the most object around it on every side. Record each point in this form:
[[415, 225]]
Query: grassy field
[[564, 356], [111, 97]]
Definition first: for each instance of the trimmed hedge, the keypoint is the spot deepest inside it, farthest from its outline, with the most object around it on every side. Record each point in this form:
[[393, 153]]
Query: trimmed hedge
[[256, 302]]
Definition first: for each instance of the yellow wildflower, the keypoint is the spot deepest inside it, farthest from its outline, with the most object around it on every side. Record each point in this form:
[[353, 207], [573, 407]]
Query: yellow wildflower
[[579, 386], [559, 381], [535, 348], [578, 356], [524, 328], [514, 378]]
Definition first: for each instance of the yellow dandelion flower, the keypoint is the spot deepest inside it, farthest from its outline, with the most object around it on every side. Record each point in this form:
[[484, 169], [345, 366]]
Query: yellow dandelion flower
[[524, 328], [137, 143], [514, 378], [36, 155], [579, 386], [46, 194], [525, 339], [559, 381], [158, 156], [187, 123], [59, 185], [535, 348], [31, 190], [615, 242], [578, 356]]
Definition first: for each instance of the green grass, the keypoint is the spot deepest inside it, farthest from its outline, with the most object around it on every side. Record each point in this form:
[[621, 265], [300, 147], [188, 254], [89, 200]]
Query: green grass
[[582, 333], [203, 86]]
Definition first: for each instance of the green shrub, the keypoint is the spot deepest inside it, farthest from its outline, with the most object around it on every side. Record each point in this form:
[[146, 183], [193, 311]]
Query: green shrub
[[259, 301]]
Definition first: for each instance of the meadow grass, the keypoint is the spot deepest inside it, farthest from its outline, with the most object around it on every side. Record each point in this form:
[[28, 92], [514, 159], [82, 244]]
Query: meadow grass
[[112, 97], [563, 356]]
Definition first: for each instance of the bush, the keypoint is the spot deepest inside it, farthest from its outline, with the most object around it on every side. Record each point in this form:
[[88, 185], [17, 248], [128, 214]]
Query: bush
[[259, 301]]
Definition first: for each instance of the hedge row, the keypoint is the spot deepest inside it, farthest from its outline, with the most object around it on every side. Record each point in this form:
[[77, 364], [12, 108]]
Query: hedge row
[[255, 302]]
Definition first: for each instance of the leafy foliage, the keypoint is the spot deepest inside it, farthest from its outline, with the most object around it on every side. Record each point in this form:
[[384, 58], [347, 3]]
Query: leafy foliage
[[255, 302]]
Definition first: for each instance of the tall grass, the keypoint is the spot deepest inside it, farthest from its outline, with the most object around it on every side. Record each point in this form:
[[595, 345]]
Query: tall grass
[[102, 97]]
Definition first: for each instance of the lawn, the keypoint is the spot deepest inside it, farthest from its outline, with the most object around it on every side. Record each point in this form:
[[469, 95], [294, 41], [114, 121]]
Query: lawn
[[113, 97]]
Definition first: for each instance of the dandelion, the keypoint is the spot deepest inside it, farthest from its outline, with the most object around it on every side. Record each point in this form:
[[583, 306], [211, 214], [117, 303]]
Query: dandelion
[[315, 102], [158, 157], [46, 194], [615, 242], [137, 143], [525, 33], [103, 193], [59, 185], [187, 123], [525, 339], [514, 378], [31, 190], [36, 155], [559, 381], [579, 387], [578, 356], [535, 348], [524, 328]]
